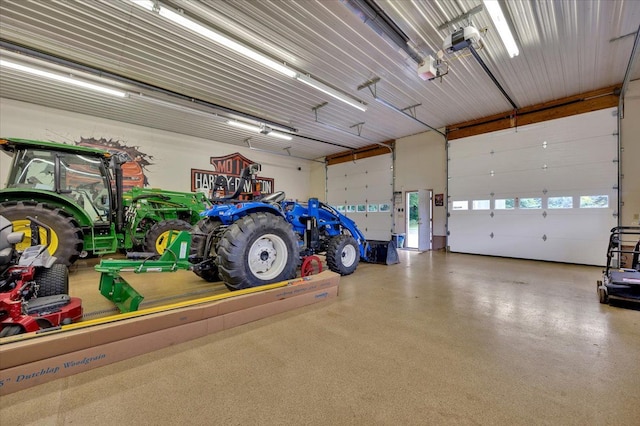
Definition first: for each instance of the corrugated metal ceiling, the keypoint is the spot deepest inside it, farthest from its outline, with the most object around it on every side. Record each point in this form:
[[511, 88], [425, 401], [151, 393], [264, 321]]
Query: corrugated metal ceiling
[[565, 49]]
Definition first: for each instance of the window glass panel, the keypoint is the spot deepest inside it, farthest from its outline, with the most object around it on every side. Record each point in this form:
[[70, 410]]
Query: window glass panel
[[594, 201], [530, 203], [560, 202], [505, 204], [460, 205], [481, 204]]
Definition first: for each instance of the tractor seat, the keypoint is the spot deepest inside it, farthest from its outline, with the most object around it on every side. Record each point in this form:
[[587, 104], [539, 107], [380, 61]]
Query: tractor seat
[[276, 197]]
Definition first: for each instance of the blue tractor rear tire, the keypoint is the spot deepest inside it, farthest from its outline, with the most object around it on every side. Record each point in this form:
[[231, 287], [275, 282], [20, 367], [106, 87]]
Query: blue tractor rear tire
[[258, 249]]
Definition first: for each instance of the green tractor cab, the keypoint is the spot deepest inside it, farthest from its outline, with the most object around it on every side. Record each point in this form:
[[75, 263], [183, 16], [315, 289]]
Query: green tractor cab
[[78, 192]]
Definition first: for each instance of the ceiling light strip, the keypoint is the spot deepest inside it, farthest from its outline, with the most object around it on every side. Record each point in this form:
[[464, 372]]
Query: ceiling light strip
[[58, 77], [245, 126], [71, 67], [330, 91], [182, 20], [279, 135], [258, 129], [500, 21]]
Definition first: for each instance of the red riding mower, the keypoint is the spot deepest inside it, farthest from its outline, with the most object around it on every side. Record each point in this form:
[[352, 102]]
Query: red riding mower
[[33, 288]]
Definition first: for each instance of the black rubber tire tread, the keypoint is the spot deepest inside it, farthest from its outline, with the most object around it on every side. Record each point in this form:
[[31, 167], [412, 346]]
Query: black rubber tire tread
[[234, 246], [53, 281], [603, 297], [160, 228], [70, 239], [199, 234], [11, 330], [334, 254]]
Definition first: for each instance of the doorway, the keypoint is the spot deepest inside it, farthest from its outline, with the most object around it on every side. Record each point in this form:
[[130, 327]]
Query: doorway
[[419, 220]]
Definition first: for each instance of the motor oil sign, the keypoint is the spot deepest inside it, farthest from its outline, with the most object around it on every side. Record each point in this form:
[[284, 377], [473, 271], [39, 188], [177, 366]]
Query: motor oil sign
[[227, 170]]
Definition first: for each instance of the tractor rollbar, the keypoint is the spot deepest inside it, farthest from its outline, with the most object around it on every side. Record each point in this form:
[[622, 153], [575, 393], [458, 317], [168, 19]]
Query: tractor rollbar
[[117, 170]]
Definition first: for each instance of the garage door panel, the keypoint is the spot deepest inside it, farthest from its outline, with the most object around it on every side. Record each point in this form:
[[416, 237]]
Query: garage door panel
[[569, 158], [573, 223], [373, 227], [535, 181], [581, 151], [367, 182], [357, 180], [334, 187]]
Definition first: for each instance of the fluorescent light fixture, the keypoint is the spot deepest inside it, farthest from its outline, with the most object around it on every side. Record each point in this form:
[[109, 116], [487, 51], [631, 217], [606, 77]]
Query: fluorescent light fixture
[[175, 106], [62, 78], [194, 26], [147, 4], [330, 91], [184, 21], [244, 126], [499, 20], [258, 129], [279, 135]]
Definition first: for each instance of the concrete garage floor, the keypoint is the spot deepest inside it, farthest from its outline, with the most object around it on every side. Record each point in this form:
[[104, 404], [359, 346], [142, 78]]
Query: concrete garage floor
[[438, 339]]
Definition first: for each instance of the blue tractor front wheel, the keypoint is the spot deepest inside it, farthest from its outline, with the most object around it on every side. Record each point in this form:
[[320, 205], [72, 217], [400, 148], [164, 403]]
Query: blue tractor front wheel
[[343, 254]]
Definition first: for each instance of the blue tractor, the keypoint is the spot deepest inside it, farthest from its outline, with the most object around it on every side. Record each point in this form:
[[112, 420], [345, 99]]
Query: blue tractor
[[248, 243]]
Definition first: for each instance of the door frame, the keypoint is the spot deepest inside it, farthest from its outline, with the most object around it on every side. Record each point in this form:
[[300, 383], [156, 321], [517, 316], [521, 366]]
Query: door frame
[[408, 217]]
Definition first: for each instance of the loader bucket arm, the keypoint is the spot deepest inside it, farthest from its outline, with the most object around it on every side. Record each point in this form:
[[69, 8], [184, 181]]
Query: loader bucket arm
[[371, 251]]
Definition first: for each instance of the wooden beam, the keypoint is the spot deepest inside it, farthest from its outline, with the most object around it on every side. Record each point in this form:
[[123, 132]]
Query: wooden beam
[[359, 154], [578, 104]]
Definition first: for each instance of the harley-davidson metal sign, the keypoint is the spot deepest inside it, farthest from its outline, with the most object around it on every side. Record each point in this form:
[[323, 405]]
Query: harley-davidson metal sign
[[227, 170]]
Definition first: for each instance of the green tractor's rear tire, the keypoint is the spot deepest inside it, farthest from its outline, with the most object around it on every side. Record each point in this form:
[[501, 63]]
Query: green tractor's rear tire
[[66, 236], [157, 238], [256, 250], [53, 281], [343, 254], [203, 245]]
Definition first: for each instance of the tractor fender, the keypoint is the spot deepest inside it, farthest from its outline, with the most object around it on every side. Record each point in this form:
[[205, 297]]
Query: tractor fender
[[229, 213], [9, 195]]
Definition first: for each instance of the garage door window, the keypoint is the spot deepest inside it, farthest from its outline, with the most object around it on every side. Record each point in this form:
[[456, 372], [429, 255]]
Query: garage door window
[[531, 203], [481, 204], [505, 204], [560, 202], [460, 205], [594, 201]]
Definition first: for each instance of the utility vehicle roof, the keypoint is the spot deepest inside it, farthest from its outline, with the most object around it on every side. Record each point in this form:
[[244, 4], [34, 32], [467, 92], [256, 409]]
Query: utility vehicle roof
[[10, 145]]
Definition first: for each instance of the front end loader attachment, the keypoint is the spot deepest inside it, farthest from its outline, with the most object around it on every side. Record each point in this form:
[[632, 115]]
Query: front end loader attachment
[[382, 252]]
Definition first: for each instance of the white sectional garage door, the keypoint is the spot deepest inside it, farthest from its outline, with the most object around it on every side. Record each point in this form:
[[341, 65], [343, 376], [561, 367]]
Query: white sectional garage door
[[363, 191], [546, 191]]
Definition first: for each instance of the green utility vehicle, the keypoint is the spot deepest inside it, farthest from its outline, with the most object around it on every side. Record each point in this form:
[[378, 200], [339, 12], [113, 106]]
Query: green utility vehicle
[[77, 191]]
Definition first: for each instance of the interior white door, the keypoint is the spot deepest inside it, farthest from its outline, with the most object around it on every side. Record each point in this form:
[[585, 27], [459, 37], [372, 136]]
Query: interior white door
[[424, 220], [546, 191]]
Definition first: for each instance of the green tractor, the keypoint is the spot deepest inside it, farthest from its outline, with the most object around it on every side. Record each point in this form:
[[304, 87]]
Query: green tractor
[[78, 192]]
